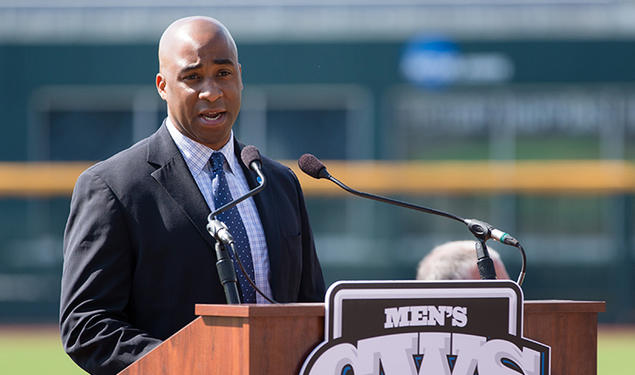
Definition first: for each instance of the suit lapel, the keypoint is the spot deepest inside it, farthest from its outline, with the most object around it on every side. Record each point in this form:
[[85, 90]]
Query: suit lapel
[[175, 177]]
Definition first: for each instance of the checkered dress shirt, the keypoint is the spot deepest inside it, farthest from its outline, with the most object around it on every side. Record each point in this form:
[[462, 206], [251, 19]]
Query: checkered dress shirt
[[197, 157]]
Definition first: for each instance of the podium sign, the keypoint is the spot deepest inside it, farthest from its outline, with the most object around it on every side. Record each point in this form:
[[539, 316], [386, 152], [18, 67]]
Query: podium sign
[[426, 328]]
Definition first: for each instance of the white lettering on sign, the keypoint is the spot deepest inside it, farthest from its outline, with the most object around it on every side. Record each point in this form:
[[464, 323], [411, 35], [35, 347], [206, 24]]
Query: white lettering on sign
[[394, 354], [406, 316]]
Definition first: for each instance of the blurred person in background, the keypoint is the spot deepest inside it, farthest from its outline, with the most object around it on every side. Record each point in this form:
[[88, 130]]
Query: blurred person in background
[[137, 255], [456, 260]]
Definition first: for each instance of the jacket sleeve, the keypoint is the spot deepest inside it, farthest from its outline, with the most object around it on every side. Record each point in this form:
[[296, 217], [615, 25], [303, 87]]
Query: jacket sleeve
[[312, 287], [96, 282]]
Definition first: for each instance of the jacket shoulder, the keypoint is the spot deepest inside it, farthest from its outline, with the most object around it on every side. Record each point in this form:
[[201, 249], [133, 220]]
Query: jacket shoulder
[[123, 170]]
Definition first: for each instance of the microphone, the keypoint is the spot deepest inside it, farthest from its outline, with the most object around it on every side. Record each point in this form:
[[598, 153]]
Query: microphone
[[251, 158], [313, 167]]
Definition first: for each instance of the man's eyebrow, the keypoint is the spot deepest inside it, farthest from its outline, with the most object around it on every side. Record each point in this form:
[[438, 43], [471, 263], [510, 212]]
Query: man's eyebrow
[[224, 61], [191, 67]]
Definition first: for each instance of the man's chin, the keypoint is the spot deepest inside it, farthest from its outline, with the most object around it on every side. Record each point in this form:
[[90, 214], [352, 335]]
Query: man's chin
[[215, 140]]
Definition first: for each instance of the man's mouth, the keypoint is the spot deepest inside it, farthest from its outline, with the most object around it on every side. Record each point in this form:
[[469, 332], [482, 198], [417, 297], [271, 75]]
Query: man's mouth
[[212, 116]]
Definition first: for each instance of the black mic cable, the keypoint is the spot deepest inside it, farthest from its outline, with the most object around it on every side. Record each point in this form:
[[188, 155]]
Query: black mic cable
[[313, 167], [250, 156]]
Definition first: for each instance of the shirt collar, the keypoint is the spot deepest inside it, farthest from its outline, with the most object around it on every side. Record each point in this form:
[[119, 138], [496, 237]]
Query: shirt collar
[[197, 155]]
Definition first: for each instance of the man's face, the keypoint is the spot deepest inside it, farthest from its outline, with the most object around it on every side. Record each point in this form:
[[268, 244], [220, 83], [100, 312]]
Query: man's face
[[201, 83]]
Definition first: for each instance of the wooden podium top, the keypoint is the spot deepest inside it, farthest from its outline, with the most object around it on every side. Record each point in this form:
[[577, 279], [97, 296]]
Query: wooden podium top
[[253, 310], [317, 309], [564, 306]]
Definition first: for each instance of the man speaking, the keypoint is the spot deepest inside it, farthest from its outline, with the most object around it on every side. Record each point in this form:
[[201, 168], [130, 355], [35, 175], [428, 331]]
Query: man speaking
[[137, 255]]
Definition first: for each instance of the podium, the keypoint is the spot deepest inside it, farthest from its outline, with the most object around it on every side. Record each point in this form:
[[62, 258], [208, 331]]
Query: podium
[[276, 339]]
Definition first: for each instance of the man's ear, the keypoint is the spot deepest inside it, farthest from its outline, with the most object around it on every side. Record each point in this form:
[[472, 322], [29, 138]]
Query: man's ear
[[160, 83], [240, 73]]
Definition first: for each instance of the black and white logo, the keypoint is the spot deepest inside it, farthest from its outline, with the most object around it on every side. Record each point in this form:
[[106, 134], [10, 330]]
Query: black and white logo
[[426, 328]]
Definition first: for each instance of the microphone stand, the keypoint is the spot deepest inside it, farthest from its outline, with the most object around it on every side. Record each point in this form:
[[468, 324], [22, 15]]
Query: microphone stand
[[484, 262], [224, 240], [224, 264]]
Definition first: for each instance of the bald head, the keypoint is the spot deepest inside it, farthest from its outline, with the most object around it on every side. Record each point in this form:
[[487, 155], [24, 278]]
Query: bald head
[[194, 32], [200, 79], [456, 260]]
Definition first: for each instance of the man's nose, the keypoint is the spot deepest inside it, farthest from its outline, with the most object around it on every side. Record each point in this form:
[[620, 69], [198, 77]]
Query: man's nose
[[210, 91]]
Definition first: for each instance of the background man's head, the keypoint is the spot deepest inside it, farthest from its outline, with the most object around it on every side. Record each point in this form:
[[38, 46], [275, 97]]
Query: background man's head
[[456, 261], [200, 79]]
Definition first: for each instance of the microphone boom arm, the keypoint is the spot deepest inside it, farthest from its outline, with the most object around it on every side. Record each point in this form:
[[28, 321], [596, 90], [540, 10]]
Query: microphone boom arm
[[481, 230], [482, 233], [395, 202], [252, 192]]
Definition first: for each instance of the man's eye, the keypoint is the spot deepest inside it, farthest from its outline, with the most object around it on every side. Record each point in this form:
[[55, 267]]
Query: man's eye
[[224, 73], [190, 77]]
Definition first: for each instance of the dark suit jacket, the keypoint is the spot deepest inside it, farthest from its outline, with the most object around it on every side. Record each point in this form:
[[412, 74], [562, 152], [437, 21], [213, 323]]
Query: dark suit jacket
[[137, 256]]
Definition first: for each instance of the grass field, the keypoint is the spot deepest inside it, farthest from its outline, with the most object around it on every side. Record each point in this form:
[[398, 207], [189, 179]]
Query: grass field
[[616, 351], [38, 351], [34, 350]]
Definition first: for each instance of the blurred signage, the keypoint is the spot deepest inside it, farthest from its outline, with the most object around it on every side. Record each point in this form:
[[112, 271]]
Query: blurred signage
[[426, 328], [437, 62], [531, 110]]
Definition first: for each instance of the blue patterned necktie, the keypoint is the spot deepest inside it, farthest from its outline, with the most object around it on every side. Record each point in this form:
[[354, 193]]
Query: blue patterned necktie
[[232, 219]]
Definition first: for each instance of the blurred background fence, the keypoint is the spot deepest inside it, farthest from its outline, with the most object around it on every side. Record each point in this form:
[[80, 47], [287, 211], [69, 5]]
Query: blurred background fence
[[519, 113]]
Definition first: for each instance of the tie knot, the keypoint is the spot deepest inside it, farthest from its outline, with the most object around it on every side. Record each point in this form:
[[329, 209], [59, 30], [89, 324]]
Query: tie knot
[[217, 159]]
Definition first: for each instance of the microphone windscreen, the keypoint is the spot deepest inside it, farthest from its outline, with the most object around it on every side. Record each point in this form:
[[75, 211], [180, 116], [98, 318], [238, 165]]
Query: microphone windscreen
[[249, 154], [311, 165]]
